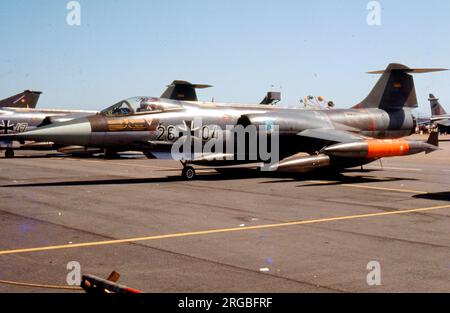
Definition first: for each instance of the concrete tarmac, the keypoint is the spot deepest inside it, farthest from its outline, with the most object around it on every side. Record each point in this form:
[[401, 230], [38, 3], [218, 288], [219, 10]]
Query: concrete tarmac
[[231, 232]]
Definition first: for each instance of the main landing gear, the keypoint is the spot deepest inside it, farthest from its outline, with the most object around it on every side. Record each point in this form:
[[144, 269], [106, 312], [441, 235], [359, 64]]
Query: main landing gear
[[110, 154], [188, 172], [9, 153]]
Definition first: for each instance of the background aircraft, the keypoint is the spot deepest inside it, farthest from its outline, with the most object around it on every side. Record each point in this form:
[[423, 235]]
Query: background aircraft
[[439, 116], [339, 139], [18, 120], [182, 90], [26, 99], [19, 114], [185, 91]]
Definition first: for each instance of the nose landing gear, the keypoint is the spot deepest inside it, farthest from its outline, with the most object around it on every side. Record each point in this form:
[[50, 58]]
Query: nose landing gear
[[188, 172]]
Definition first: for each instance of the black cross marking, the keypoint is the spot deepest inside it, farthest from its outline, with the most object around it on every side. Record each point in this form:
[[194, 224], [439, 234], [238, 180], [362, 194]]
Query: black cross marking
[[6, 127]]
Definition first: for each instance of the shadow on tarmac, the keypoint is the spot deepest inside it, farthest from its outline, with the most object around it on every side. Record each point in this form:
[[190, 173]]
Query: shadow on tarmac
[[438, 196], [330, 178]]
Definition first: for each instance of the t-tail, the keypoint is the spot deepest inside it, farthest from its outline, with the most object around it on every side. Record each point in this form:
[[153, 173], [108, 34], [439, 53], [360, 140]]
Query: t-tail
[[182, 90], [436, 107], [26, 99], [395, 89]]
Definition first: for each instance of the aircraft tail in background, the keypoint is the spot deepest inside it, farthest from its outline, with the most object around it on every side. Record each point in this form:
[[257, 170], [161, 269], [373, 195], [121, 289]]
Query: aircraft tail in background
[[182, 90], [27, 99], [436, 107]]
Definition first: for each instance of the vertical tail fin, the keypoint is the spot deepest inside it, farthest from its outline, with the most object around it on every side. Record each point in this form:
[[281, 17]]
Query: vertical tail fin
[[395, 89], [433, 139], [436, 107], [26, 99]]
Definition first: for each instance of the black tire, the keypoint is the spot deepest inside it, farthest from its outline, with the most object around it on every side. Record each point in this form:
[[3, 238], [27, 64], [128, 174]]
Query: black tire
[[111, 155], [9, 153], [188, 173]]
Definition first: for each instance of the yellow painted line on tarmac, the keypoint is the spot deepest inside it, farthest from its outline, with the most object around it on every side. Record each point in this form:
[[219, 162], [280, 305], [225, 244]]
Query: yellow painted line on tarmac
[[418, 192], [219, 231], [43, 286]]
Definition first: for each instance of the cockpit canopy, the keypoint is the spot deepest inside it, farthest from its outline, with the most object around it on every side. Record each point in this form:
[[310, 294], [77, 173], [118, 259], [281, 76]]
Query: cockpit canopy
[[138, 105]]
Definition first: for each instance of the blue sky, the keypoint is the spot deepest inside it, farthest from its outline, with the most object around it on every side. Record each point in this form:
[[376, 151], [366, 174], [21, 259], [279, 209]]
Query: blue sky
[[127, 48]]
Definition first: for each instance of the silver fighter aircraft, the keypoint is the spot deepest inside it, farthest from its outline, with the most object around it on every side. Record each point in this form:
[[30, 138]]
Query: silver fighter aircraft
[[305, 140], [439, 117]]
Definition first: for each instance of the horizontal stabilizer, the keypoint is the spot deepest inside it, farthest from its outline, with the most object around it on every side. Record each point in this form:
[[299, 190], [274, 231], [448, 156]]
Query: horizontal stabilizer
[[395, 89], [183, 91], [410, 70], [186, 83]]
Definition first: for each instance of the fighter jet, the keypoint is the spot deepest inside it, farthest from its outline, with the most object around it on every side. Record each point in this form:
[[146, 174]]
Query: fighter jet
[[300, 140], [439, 116]]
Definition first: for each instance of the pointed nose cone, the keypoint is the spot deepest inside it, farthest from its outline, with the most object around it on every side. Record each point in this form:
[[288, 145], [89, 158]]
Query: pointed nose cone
[[75, 132]]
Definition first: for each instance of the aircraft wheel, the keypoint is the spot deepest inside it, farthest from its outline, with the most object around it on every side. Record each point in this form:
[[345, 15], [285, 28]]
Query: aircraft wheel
[[111, 155], [9, 153], [188, 173]]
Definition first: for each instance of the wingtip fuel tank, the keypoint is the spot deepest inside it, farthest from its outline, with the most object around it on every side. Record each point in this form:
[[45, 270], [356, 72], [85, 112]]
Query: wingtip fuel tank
[[375, 149]]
